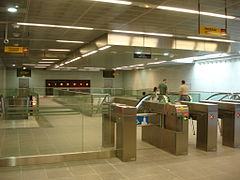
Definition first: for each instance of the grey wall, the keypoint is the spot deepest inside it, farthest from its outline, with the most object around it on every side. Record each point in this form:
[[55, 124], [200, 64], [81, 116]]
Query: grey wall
[[212, 76], [39, 76], [2, 76]]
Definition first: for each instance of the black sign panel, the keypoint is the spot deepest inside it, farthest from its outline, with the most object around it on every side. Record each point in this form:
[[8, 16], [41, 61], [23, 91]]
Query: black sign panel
[[144, 56], [108, 74], [23, 72]]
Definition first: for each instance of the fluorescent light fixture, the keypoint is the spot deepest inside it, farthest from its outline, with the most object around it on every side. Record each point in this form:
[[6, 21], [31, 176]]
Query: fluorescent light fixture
[[62, 64], [50, 59], [178, 9], [75, 59], [43, 65], [103, 48], [137, 65], [57, 66], [195, 12], [66, 41], [166, 54], [40, 67], [210, 39], [89, 53], [158, 62], [197, 58], [143, 33], [217, 15], [12, 9], [46, 62], [59, 50], [184, 60], [29, 64], [54, 26], [115, 2], [159, 34]]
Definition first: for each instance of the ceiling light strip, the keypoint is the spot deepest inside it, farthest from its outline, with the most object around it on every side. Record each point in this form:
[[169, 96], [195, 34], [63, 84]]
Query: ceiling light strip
[[89, 53], [143, 33], [59, 50], [195, 12], [103, 48], [154, 63], [115, 2], [67, 41], [210, 39], [54, 26], [50, 59]]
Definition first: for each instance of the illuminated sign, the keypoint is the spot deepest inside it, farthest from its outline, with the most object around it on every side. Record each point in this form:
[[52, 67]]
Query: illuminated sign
[[211, 116], [23, 72], [212, 31], [143, 56], [13, 49]]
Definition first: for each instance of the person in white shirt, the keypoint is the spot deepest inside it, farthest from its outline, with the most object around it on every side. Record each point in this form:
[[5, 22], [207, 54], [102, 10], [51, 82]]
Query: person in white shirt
[[183, 92]]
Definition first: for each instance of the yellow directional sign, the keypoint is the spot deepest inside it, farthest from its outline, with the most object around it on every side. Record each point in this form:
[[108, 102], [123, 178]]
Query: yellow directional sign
[[13, 49], [212, 31]]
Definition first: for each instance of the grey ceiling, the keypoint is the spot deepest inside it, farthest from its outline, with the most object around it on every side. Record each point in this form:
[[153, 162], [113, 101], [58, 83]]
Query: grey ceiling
[[88, 13]]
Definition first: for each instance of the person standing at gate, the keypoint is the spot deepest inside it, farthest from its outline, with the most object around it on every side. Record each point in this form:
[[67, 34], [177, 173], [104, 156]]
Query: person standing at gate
[[163, 87], [184, 91]]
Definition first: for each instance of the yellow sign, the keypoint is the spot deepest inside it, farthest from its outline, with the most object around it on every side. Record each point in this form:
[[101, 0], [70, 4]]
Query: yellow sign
[[13, 49], [212, 31]]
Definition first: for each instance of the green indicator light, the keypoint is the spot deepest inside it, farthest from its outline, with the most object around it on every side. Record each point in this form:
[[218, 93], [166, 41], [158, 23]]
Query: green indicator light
[[185, 118]]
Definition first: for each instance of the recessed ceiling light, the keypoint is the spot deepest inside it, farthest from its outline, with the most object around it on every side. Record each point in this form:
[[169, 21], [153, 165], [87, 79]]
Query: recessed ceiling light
[[12, 9], [14, 65], [24, 68], [67, 41], [60, 50], [115, 2]]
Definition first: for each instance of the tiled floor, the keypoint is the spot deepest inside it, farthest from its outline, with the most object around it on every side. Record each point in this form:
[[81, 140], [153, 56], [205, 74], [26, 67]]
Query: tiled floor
[[151, 164], [64, 135]]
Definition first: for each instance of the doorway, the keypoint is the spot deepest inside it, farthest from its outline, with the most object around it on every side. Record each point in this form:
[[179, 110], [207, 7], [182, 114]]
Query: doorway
[[23, 82]]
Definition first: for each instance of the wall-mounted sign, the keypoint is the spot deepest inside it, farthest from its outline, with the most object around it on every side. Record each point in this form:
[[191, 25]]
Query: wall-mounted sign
[[23, 72], [13, 49], [144, 56], [212, 31], [108, 74]]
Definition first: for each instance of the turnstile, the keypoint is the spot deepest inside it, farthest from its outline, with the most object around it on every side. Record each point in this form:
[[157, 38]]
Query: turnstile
[[168, 130], [206, 115], [125, 118], [229, 112]]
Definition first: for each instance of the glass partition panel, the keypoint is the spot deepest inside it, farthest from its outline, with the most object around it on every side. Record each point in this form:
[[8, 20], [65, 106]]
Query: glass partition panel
[[63, 123]]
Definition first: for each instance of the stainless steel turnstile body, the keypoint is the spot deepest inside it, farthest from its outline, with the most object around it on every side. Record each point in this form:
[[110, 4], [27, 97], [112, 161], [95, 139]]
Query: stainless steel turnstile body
[[229, 112], [206, 115], [169, 130], [125, 118]]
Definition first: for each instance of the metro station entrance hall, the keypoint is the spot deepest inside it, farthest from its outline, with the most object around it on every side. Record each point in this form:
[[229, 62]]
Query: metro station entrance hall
[[119, 90]]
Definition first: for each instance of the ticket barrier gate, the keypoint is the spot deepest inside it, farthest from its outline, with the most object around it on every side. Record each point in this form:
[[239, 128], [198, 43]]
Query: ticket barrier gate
[[170, 131], [125, 118], [229, 112], [206, 116]]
